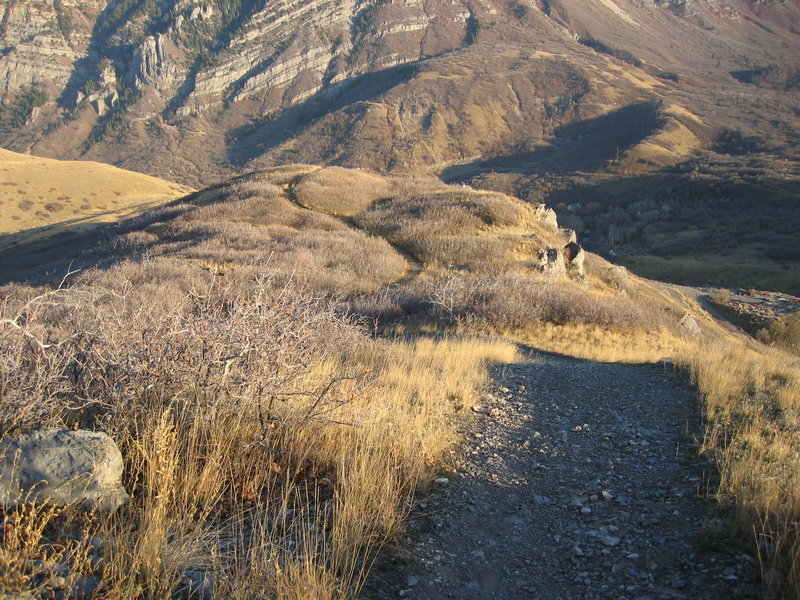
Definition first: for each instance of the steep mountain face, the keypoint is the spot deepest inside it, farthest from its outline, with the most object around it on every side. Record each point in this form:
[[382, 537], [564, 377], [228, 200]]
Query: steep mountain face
[[385, 84], [567, 102]]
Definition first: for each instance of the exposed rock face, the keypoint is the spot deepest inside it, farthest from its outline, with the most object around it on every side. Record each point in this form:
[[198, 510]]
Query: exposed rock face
[[41, 41], [62, 467], [550, 262], [158, 63], [417, 85], [574, 257]]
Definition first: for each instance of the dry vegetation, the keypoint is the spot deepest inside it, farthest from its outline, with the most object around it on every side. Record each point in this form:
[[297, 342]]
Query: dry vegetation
[[342, 192], [267, 441], [252, 223], [271, 442], [752, 406], [39, 192], [459, 228]]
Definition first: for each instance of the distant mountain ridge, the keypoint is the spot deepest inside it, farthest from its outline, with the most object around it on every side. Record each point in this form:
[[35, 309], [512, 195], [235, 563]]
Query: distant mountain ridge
[[384, 84], [640, 121]]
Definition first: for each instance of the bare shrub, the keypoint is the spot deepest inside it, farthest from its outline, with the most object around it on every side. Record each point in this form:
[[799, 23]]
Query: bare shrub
[[261, 210], [258, 428], [475, 253], [253, 186], [447, 227], [511, 303]]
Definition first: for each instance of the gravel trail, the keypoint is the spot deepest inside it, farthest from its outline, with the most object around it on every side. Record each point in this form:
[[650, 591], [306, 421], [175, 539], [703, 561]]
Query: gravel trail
[[580, 480]]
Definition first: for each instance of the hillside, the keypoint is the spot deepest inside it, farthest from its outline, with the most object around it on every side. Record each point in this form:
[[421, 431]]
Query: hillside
[[387, 85], [589, 106], [42, 197], [289, 361]]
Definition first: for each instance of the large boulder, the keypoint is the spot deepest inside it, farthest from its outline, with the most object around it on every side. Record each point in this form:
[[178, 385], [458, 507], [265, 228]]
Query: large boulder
[[574, 257], [62, 467], [550, 261]]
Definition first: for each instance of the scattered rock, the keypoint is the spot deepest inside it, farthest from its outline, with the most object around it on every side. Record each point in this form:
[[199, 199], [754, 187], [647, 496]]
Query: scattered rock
[[601, 510], [689, 325], [82, 468]]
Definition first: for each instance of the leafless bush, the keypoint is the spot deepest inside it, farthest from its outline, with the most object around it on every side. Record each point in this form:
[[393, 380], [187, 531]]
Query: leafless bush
[[476, 253], [261, 210], [514, 302], [250, 187], [242, 411]]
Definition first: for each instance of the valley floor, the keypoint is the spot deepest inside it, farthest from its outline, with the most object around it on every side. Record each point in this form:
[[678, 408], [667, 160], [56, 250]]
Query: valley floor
[[580, 480]]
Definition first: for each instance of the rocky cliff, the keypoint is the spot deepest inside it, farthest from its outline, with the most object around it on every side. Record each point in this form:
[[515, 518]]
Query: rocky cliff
[[197, 89]]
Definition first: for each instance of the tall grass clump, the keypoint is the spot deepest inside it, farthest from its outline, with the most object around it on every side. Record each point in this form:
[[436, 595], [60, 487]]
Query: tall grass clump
[[270, 446], [751, 400]]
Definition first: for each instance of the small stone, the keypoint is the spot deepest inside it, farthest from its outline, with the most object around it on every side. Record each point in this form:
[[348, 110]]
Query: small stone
[[474, 586], [577, 551], [607, 496], [678, 584], [513, 521], [586, 510], [85, 587], [610, 540], [442, 480], [411, 581]]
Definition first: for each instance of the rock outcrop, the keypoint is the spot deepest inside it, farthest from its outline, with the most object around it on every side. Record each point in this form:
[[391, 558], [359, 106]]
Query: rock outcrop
[[62, 467], [550, 262], [574, 257]]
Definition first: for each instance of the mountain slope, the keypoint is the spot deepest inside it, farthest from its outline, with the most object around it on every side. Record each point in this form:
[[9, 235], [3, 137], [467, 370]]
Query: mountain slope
[[38, 193], [649, 126], [250, 80]]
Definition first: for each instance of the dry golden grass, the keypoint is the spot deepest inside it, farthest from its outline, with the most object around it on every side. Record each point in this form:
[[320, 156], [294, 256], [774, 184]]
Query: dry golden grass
[[342, 192], [752, 405], [454, 226], [267, 441], [39, 192]]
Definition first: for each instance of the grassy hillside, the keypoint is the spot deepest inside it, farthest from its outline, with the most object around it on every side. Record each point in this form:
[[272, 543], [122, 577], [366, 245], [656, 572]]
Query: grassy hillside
[[285, 360], [39, 195]]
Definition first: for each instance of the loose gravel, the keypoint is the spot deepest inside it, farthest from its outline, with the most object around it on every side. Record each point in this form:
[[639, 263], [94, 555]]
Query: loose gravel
[[579, 480]]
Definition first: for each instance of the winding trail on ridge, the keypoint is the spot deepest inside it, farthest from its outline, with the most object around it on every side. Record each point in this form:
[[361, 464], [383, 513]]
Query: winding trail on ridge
[[580, 480], [415, 266]]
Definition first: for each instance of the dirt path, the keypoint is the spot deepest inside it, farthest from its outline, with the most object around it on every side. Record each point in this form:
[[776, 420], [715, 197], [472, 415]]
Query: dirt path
[[579, 481], [414, 267]]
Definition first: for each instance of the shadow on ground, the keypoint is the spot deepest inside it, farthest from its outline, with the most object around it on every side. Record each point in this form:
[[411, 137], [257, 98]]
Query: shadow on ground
[[581, 146]]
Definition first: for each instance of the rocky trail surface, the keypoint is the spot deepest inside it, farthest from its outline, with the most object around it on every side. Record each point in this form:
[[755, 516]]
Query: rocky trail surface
[[579, 480]]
